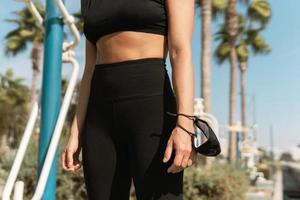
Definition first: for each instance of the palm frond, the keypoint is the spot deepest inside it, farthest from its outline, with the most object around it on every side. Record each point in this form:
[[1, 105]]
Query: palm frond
[[25, 32], [15, 21], [78, 21], [242, 51], [222, 52], [260, 46], [218, 7], [14, 45], [221, 34], [260, 10]]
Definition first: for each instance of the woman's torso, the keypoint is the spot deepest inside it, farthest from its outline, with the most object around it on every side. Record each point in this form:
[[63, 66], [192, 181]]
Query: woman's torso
[[130, 45], [126, 29]]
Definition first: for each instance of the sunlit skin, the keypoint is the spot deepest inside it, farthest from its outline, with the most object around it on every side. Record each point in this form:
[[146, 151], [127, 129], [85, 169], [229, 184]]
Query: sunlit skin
[[129, 45]]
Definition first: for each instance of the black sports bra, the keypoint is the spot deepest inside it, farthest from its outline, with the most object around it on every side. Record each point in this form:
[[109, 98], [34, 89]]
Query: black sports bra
[[102, 17]]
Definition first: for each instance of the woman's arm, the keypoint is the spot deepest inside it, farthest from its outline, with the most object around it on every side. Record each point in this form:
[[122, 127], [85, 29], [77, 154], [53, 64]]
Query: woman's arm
[[70, 155], [180, 25], [84, 91], [181, 21]]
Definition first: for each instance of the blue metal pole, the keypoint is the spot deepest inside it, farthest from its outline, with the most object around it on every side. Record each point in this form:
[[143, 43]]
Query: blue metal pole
[[51, 91]]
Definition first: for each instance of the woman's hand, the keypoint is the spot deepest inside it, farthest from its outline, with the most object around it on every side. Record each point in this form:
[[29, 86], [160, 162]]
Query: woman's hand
[[181, 142], [70, 156]]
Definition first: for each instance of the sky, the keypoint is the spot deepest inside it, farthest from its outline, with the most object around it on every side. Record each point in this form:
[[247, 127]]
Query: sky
[[273, 83]]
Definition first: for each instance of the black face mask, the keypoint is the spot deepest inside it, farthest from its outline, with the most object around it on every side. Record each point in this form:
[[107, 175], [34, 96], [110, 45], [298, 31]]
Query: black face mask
[[211, 147]]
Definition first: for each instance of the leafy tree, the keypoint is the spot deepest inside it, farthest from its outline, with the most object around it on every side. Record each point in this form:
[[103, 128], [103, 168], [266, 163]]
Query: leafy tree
[[26, 32], [244, 35], [286, 156], [13, 107]]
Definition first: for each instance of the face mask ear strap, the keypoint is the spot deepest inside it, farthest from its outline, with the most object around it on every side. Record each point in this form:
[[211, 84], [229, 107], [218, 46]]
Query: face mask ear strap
[[190, 133], [195, 122], [191, 117], [211, 147]]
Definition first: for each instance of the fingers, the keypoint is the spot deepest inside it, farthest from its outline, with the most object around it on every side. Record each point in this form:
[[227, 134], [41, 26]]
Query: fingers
[[185, 160], [70, 161], [63, 160], [181, 160], [176, 166], [77, 165], [168, 151], [192, 158]]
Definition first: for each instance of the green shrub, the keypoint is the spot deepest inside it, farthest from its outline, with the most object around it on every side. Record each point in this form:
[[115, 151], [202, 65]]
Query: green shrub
[[70, 186], [266, 169], [220, 182], [27, 172]]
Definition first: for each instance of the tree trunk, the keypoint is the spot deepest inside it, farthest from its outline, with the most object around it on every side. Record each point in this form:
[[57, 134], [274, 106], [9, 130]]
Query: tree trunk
[[206, 55], [36, 58], [232, 24], [243, 67], [232, 104], [232, 28], [232, 20], [206, 11]]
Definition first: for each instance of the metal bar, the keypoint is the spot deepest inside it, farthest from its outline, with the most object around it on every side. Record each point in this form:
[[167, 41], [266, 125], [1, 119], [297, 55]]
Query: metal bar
[[69, 20], [19, 190]]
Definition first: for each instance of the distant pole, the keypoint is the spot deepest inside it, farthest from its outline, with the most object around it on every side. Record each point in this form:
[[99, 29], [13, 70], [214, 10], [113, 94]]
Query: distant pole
[[254, 118], [238, 148], [51, 90], [272, 149]]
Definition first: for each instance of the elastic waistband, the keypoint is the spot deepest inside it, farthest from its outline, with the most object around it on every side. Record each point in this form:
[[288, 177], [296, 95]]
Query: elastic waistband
[[154, 60]]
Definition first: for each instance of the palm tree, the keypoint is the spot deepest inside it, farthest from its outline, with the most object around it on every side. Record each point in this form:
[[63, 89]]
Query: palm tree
[[209, 9], [17, 40], [259, 11], [259, 46], [232, 26]]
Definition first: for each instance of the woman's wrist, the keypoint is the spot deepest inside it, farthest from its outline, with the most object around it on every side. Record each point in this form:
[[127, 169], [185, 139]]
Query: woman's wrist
[[75, 135], [75, 127], [186, 123]]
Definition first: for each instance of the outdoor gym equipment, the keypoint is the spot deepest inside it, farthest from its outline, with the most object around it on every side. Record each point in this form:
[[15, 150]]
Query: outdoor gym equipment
[[67, 57]]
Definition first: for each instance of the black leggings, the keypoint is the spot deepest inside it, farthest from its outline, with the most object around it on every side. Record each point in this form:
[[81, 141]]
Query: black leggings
[[126, 131]]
